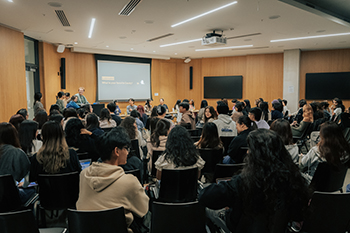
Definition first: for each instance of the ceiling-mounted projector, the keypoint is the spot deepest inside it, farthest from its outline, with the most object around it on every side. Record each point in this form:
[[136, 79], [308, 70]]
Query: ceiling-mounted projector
[[213, 39]]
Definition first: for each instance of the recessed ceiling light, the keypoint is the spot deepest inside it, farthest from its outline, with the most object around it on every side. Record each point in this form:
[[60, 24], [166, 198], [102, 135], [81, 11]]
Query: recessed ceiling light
[[91, 27], [132, 48], [182, 42], [154, 51], [107, 46], [206, 13], [175, 53], [10, 0], [311, 37], [75, 42], [232, 47]]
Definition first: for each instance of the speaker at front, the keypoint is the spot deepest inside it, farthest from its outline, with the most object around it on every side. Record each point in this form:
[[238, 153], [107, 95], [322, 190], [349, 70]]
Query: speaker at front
[[191, 77], [63, 73]]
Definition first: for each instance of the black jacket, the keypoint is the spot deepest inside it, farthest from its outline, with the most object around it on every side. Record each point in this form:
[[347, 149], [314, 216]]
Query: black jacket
[[235, 150]]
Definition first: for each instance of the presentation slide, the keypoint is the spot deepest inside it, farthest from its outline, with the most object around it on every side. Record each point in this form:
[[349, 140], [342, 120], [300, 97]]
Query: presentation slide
[[117, 80]]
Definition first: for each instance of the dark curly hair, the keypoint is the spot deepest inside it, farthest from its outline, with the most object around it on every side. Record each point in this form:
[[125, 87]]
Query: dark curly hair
[[179, 148], [162, 128], [128, 125], [271, 180]]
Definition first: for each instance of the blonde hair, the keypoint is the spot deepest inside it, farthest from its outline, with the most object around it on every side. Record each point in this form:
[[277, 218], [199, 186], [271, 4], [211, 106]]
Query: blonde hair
[[54, 153], [308, 113]]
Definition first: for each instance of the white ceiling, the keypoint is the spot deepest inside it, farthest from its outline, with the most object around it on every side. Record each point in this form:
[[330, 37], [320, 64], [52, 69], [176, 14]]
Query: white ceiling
[[128, 35]]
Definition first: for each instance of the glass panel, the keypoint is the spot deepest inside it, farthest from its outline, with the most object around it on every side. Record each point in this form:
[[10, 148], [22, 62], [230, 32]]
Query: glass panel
[[29, 51], [30, 93]]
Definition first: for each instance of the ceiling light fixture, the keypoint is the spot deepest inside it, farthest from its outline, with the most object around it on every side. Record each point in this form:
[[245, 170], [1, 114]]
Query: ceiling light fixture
[[232, 47], [182, 42], [311, 37], [92, 27], [10, 0], [206, 13], [75, 42]]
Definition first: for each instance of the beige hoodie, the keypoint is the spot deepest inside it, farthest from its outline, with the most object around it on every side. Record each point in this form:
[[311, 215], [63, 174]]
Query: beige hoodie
[[105, 186]]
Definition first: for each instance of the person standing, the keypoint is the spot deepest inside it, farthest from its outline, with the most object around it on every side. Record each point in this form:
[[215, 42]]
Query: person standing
[[81, 98], [37, 102]]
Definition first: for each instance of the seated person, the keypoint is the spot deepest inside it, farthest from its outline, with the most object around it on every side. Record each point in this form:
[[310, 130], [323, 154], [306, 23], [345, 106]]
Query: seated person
[[73, 102], [93, 125], [277, 110], [298, 129], [131, 106], [226, 126], [81, 98], [105, 185], [238, 111], [106, 120], [187, 119], [255, 115], [112, 107], [209, 138], [161, 103]]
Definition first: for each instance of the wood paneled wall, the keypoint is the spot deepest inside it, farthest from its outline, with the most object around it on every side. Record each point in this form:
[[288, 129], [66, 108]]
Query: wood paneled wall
[[13, 94], [324, 61]]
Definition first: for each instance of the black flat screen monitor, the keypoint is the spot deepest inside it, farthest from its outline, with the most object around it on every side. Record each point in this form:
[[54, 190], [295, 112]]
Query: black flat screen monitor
[[326, 86], [96, 108], [223, 87]]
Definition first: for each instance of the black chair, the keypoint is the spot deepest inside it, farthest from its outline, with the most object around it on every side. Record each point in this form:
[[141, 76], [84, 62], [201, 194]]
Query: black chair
[[301, 141], [328, 178], [83, 155], [57, 192], [135, 149], [328, 212], [111, 221], [195, 138], [211, 158], [226, 142], [22, 221], [136, 173], [178, 217], [227, 170], [193, 132], [155, 156], [178, 185]]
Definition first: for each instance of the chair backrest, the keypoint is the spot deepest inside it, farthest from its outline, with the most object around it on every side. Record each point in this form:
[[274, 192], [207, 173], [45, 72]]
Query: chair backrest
[[136, 173], [328, 212], [20, 221], [83, 155], [195, 138], [178, 185], [135, 149], [111, 221], [58, 191], [155, 156], [226, 141], [9, 196], [328, 178], [193, 132], [227, 170], [178, 217], [211, 158]]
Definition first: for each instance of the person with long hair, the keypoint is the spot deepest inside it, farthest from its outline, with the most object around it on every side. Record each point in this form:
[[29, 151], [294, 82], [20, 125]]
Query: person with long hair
[[158, 139], [179, 153], [332, 148], [152, 121], [298, 130], [135, 114], [210, 114], [72, 103], [266, 115], [148, 106], [235, 152], [27, 137], [16, 121], [24, 113], [191, 103], [269, 184], [283, 129], [93, 125], [209, 138], [144, 117], [54, 157], [247, 107], [37, 102], [13, 160], [200, 114], [176, 106], [337, 108], [129, 124], [106, 120]]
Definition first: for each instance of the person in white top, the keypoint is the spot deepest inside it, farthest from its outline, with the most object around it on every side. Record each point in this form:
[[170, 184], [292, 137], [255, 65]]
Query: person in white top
[[255, 113], [226, 126]]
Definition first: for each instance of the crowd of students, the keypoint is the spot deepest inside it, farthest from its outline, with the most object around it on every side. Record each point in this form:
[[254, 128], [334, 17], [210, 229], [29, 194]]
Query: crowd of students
[[53, 143]]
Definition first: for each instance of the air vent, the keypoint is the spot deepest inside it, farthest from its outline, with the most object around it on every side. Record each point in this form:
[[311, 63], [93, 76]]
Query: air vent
[[160, 37], [129, 8], [62, 17]]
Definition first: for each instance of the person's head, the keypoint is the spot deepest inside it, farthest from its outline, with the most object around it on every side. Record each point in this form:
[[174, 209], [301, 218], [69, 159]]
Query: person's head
[[92, 121], [37, 96], [337, 102], [324, 105], [277, 106], [111, 107], [114, 145], [284, 102], [54, 152], [81, 90], [8, 135], [67, 95], [234, 101], [131, 101], [73, 128], [69, 112], [225, 101], [209, 112], [255, 114], [191, 102], [283, 129], [60, 95], [134, 113], [23, 112], [179, 148], [247, 104], [308, 113], [140, 109], [81, 113], [16, 120], [222, 108], [302, 102], [129, 124], [115, 102], [27, 133], [57, 117], [105, 114], [161, 101], [87, 108], [244, 123], [183, 107], [210, 136], [148, 103], [333, 146], [41, 118], [177, 103], [154, 111], [239, 107], [162, 129], [54, 107], [53, 112], [74, 98], [186, 100], [161, 110], [204, 103]]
